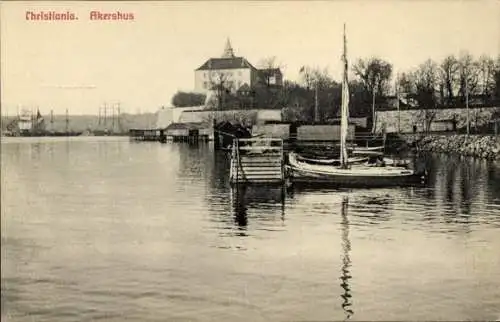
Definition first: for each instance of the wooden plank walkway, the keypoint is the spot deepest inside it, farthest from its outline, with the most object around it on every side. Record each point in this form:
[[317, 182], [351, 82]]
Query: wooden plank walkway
[[257, 161]]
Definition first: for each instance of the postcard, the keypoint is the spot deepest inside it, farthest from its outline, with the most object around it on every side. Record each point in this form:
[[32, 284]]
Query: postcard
[[250, 160]]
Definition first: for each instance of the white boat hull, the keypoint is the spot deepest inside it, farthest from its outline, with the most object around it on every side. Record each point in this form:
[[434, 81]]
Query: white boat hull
[[355, 176], [332, 161]]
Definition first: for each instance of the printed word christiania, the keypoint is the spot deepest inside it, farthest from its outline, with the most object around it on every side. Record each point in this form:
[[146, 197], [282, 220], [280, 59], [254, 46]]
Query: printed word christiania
[[50, 15]]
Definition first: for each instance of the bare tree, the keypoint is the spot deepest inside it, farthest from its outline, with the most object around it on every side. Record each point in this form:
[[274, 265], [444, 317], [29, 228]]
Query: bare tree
[[448, 76], [496, 77], [486, 67], [469, 75], [406, 83], [425, 81], [375, 74], [307, 75], [220, 87], [325, 90], [310, 77]]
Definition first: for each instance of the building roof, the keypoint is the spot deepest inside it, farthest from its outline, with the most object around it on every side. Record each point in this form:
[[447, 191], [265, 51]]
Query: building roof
[[225, 63]]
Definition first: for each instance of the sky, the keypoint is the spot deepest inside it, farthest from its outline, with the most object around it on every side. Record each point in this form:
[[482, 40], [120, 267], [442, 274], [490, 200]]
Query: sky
[[82, 64]]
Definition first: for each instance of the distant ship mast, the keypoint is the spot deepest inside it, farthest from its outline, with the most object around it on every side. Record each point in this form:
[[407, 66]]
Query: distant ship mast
[[67, 121]]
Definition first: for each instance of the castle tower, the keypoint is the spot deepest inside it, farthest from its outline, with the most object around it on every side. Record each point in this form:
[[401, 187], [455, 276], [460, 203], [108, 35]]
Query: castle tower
[[228, 51]]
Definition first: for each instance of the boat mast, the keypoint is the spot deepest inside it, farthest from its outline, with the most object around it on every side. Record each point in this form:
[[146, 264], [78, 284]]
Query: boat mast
[[32, 119], [52, 120], [118, 119], [344, 109], [67, 122], [113, 118]]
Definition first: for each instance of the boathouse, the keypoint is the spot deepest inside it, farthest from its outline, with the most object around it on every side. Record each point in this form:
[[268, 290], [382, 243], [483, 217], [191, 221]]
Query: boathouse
[[145, 134], [189, 132]]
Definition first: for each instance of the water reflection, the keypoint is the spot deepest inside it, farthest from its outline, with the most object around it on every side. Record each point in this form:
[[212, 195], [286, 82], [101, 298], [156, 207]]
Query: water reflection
[[195, 161], [262, 202], [493, 175], [461, 191], [374, 207], [220, 171], [345, 276], [240, 209], [165, 219]]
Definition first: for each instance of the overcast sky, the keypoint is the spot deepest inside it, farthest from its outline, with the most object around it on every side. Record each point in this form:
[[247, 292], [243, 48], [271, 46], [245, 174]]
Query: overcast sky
[[82, 64]]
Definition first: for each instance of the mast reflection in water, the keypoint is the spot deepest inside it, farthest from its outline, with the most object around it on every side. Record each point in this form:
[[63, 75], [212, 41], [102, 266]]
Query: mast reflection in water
[[240, 208], [346, 262]]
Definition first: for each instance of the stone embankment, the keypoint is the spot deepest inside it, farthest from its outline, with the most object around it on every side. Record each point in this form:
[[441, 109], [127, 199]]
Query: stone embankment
[[480, 146]]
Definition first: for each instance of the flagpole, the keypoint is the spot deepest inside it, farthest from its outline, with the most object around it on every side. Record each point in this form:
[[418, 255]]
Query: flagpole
[[373, 110]]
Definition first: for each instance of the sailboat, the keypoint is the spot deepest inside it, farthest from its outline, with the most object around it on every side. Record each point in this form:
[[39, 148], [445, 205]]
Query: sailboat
[[348, 173]]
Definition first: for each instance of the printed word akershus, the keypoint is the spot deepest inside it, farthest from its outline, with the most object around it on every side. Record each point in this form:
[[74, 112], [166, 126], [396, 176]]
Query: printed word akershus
[[98, 15]]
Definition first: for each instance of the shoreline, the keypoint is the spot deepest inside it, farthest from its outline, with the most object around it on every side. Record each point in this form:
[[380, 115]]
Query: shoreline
[[479, 146]]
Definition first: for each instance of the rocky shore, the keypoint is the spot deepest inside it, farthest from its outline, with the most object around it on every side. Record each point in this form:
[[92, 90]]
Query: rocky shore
[[480, 146]]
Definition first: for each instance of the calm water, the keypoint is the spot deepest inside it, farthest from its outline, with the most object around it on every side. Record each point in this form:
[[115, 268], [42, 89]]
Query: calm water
[[107, 229]]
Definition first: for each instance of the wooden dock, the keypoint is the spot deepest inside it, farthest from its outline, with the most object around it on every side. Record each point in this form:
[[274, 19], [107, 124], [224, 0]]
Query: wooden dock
[[257, 161]]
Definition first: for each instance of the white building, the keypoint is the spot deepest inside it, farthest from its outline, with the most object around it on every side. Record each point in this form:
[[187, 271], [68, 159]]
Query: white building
[[232, 72]]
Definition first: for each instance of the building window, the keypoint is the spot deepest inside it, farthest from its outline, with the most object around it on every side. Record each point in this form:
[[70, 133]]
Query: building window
[[205, 75], [205, 85]]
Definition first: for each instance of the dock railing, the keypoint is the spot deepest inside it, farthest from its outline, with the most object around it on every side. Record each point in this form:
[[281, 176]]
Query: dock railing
[[257, 161]]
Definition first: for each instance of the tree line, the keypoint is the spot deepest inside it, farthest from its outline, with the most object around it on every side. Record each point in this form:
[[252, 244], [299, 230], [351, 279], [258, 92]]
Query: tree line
[[430, 85]]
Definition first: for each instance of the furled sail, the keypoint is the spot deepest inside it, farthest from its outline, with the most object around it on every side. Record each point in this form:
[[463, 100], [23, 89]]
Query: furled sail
[[344, 109]]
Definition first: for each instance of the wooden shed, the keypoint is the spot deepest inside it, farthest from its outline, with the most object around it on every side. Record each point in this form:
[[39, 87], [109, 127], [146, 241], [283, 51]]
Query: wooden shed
[[189, 132]]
